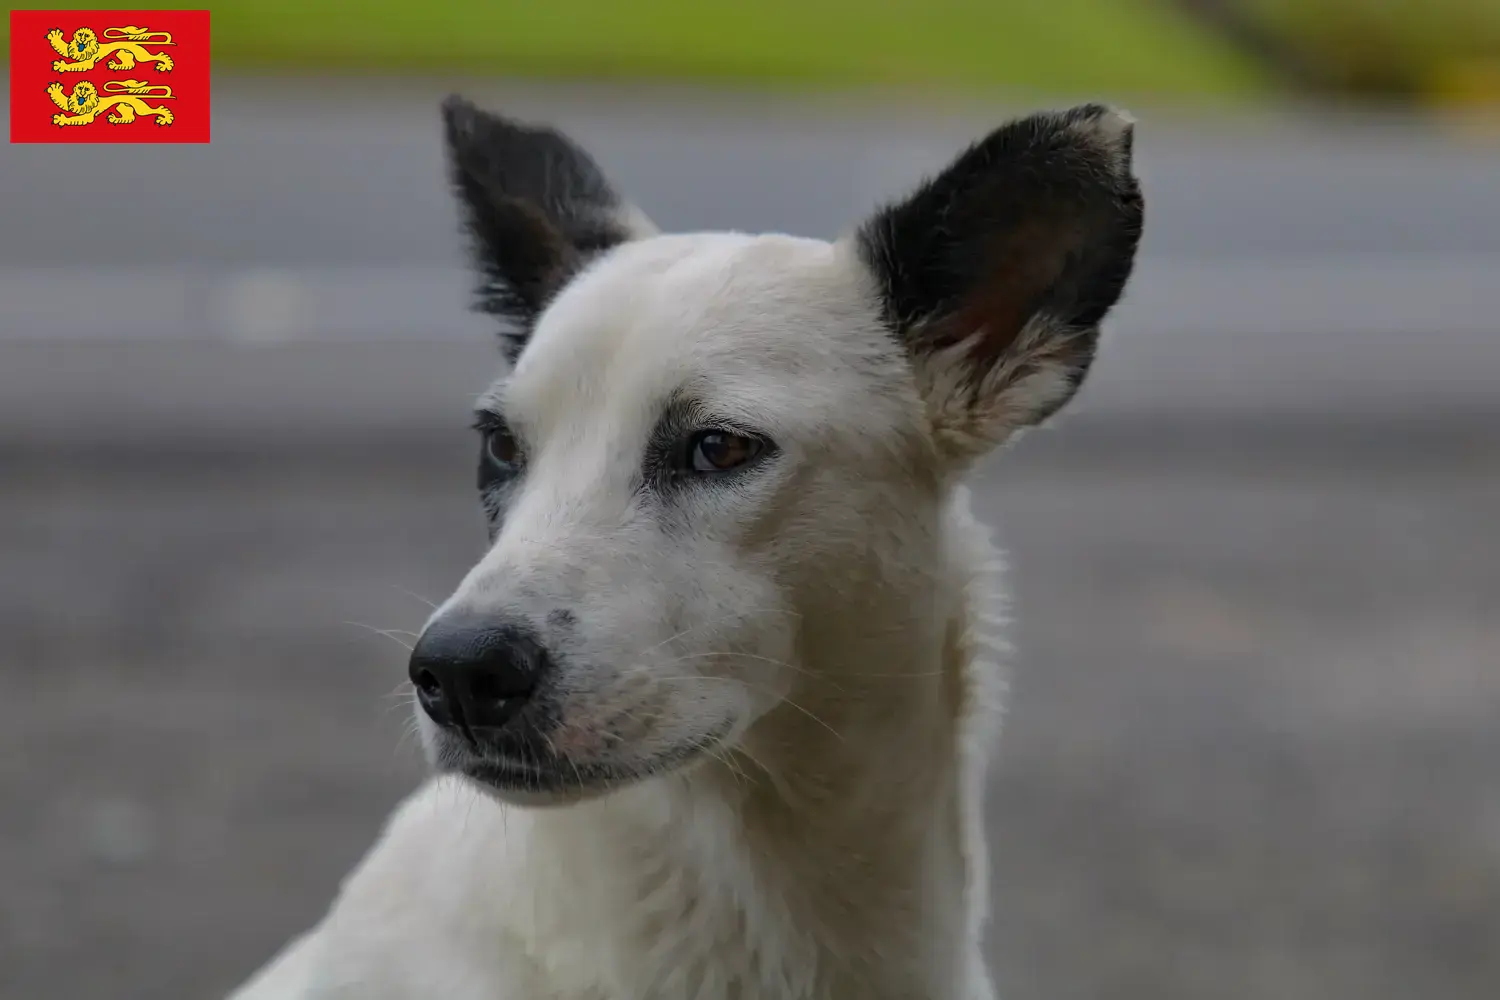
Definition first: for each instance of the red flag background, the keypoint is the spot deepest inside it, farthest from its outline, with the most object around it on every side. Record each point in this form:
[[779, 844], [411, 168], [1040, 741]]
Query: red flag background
[[39, 81]]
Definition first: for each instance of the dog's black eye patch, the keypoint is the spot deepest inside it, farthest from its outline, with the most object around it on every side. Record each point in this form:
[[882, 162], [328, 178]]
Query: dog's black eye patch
[[501, 460], [500, 448]]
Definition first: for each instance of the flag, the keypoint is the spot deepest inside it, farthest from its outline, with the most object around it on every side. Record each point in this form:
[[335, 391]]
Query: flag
[[109, 76]]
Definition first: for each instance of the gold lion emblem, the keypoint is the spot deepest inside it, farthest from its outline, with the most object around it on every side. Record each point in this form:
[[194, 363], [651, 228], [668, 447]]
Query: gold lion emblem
[[123, 43], [127, 97]]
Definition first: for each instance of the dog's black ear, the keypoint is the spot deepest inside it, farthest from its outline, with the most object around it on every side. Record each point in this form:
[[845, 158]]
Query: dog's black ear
[[537, 208], [996, 274]]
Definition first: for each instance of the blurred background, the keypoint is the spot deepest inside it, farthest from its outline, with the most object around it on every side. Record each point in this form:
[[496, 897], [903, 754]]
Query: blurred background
[[1256, 724]]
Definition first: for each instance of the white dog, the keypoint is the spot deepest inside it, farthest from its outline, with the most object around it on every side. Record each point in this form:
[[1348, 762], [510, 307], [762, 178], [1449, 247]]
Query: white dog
[[712, 715]]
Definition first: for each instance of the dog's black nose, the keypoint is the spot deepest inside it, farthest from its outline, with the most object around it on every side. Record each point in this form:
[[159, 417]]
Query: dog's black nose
[[474, 676]]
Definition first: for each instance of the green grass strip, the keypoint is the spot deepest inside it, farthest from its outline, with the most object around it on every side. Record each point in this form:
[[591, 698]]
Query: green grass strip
[[1118, 46]]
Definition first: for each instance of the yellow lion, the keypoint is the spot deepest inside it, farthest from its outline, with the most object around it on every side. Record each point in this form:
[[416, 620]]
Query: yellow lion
[[127, 97], [80, 55]]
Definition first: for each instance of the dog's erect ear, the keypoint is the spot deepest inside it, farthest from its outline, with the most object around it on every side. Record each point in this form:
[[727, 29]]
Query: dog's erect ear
[[995, 274], [537, 208]]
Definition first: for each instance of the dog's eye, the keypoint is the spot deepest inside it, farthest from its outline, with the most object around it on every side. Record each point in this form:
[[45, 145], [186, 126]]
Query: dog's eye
[[500, 446], [720, 451]]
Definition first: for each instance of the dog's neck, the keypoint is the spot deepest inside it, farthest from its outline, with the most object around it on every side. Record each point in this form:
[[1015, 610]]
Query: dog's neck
[[834, 851]]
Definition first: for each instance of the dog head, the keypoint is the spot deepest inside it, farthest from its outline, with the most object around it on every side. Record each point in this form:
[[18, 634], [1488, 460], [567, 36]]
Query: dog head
[[709, 453]]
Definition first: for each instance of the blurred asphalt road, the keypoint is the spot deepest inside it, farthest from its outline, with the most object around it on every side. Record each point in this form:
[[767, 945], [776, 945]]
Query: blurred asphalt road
[[1253, 742], [1287, 261]]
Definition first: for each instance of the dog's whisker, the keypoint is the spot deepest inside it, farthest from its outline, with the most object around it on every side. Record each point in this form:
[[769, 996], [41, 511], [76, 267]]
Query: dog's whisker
[[752, 656], [735, 771], [781, 699], [745, 613], [410, 732], [415, 596], [389, 633], [398, 703], [743, 751]]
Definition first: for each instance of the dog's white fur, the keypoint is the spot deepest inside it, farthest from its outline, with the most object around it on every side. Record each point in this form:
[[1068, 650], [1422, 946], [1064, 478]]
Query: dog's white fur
[[827, 633]]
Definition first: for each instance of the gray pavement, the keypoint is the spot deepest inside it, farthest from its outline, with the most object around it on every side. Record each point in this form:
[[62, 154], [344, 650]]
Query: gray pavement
[[1252, 746], [1299, 256], [331, 172], [1250, 753]]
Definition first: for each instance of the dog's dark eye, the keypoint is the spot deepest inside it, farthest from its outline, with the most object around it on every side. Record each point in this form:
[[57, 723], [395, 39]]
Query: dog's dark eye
[[720, 451], [500, 446]]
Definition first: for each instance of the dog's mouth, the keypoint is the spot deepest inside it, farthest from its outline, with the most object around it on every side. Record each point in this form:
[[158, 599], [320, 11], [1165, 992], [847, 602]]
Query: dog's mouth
[[538, 776]]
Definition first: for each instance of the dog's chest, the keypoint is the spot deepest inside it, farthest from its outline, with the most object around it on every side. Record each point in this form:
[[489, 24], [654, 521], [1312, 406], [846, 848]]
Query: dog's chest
[[575, 905], [648, 915]]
